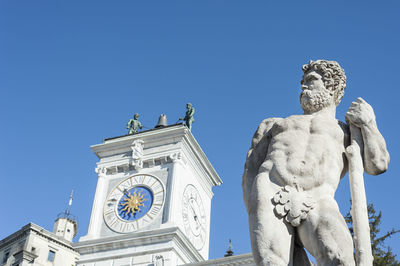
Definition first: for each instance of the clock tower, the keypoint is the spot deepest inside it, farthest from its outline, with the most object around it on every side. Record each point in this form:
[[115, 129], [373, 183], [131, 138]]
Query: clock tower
[[153, 200]]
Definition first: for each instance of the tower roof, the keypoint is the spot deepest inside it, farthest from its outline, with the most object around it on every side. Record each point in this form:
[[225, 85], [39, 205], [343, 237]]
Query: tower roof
[[158, 136]]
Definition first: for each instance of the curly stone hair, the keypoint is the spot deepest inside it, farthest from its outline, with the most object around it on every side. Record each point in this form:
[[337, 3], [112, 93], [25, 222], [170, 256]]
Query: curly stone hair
[[332, 74]]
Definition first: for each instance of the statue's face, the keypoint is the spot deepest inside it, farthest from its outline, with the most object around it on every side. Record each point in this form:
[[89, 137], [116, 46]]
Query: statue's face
[[188, 106], [314, 96]]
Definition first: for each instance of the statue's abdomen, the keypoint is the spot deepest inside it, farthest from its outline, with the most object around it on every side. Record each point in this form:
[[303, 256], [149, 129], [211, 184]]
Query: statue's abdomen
[[303, 158]]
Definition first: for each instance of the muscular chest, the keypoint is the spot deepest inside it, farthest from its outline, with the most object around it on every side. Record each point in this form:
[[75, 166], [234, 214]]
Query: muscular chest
[[308, 130]]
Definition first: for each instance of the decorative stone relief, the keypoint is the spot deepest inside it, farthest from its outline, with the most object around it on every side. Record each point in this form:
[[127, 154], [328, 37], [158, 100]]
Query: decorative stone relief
[[158, 260], [137, 149], [101, 171], [177, 157], [137, 154]]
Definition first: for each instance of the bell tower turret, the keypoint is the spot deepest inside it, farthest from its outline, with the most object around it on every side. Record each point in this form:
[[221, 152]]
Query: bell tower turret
[[66, 224]]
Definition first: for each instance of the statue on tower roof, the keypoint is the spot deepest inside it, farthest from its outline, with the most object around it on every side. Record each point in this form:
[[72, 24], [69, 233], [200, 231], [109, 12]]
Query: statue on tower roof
[[189, 119], [134, 124]]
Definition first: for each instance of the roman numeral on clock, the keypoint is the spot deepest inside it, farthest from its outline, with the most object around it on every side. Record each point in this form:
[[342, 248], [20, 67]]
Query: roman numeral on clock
[[125, 186], [153, 211], [159, 198], [139, 179]]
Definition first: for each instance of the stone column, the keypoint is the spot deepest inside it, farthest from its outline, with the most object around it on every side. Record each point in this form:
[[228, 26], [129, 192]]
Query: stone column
[[97, 209], [176, 172]]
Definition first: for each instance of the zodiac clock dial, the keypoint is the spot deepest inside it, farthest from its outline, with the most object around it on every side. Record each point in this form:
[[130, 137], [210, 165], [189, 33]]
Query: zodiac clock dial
[[194, 217], [134, 203]]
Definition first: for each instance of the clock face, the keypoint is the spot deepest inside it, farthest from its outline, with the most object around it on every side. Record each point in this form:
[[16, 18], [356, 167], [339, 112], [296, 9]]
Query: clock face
[[194, 217], [134, 203]]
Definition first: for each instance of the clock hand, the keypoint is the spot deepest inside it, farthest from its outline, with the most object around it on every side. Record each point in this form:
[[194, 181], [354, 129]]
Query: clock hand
[[194, 212], [196, 218], [191, 206], [200, 225]]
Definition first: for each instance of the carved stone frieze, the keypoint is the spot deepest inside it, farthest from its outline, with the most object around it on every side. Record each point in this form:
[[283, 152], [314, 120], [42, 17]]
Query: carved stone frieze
[[177, 157], [142, 162]]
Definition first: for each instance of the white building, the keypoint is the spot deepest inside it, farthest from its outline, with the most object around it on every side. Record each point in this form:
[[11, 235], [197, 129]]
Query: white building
[[152, 205], [33, 245]]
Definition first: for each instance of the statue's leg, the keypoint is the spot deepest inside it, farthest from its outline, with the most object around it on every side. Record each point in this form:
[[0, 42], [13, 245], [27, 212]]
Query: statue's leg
[[271, 238], [189, 123], [326, 236]]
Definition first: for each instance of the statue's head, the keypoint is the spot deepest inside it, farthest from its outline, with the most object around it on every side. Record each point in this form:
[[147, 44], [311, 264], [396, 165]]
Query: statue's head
[[188, 105], [136, 116], [323, 84]]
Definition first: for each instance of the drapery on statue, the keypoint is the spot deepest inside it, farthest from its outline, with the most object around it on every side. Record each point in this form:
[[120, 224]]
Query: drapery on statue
[[293, 169], [189, 119], [134, 124]]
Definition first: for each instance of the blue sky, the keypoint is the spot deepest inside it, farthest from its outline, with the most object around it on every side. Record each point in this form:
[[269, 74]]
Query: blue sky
[[73, 72]]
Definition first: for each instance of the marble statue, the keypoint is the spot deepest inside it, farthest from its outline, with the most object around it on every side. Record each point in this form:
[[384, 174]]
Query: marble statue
[[293, 169]]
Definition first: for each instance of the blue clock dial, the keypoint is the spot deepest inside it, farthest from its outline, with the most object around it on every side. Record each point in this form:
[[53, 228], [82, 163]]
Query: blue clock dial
[[135, 203]]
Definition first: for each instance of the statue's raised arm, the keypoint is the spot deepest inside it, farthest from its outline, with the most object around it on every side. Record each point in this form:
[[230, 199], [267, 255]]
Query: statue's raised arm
[[376, 156]]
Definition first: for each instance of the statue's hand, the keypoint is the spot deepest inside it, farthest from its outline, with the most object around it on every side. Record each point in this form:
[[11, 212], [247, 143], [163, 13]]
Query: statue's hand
[[360, 113]]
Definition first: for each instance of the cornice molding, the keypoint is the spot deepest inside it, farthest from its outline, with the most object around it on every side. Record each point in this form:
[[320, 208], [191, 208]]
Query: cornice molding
[[137, 239], [151, 139], [24, 255], [243, 259], [35, 229]]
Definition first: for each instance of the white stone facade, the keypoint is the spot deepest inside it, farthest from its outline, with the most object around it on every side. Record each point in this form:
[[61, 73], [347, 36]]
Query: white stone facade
[[172, 156], [33, 245]]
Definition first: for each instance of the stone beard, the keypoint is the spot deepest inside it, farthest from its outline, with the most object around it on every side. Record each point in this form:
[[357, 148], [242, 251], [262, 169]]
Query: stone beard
[[313, 101]]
